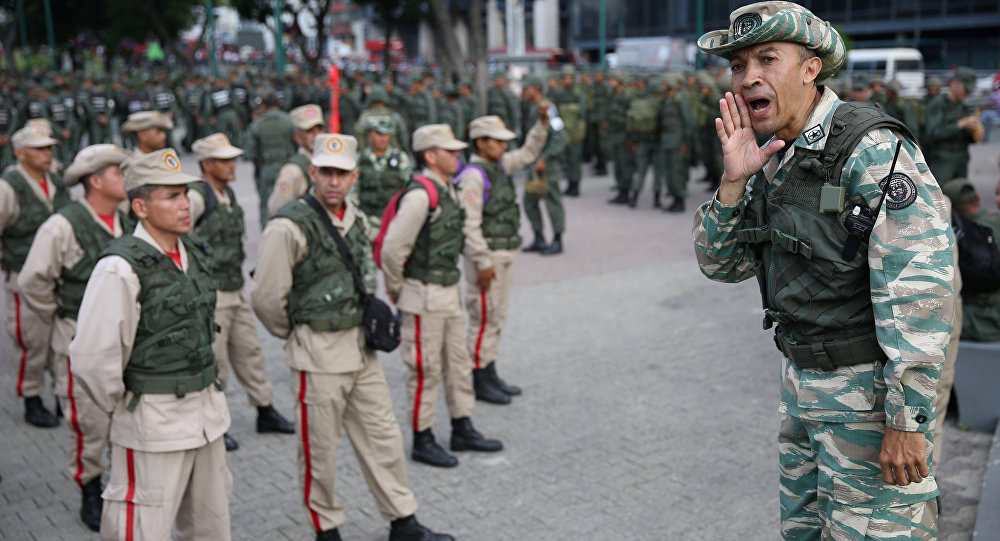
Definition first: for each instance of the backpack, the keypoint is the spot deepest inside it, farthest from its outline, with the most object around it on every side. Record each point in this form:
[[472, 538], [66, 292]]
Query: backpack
[[642, 116], [978, 255], [393, 207]]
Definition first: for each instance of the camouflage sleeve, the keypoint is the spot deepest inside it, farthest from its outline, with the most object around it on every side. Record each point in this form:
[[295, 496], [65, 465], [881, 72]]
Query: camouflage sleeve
[[720, 256], [912, 267]]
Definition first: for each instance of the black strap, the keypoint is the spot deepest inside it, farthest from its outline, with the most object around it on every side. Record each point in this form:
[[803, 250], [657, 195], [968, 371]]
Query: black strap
[[210, 203], [345, 253]]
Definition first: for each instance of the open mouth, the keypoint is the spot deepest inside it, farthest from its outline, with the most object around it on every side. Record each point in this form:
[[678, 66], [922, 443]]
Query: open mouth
[[759, 106]]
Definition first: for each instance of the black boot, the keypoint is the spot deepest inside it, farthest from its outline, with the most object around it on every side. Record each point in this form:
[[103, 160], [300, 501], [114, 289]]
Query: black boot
[[620, 199], [464, 437], [408, 529], [269, 420], [600, 170], [555, 247], [328, 535], [512, 390], [633, 199], [59, 412], [427, 450], [231, 444], [573, 190], [91, 506], [35, 413], [676, 206], [656, 200], [538, 245], [486, 389]]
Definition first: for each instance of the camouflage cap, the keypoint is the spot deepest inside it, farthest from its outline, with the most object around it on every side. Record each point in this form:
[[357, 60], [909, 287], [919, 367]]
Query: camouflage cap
[[143, 120], [959, 190], [967, 76], [860, 81], [933, 81], [568, 69], [335, 150], [216, 146], [306, 117], [162, 167], [895, 86], [378, 95], [91, 159], [532, 80], [778, 21], [379, 123]]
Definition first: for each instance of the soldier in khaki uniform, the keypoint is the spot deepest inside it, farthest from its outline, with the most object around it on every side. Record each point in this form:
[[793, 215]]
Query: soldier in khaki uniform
[[29, 194], [150, 129], [151, 367], [218, 220], [421, 277], [492, 220], [53, 279], [303, 291], [293, 177]]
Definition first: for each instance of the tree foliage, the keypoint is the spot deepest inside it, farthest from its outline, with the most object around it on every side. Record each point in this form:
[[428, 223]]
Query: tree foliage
[[393, 13]]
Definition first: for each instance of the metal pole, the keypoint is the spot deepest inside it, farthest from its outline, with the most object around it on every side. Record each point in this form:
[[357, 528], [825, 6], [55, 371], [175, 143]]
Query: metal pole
[[602, 31], [51, 33], [24, 25], [699, 30], [279, 32], [211, 39]]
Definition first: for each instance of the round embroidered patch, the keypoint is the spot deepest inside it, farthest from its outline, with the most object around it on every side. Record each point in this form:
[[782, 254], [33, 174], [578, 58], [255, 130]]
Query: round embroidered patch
[[284, 187], [311, 113], [470, 196], [171, 162], [900, 191], [222, 140], [334, 144], [746, 23]]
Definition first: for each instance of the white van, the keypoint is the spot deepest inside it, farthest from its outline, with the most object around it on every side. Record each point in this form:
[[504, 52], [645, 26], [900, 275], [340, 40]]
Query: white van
[[900, 63]]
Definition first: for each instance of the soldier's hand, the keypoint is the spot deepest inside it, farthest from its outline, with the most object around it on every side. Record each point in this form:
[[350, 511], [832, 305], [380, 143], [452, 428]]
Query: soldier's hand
[[484, 277], [540, 165], [4, 139], [543, 111], [741, 156], [904, 457]]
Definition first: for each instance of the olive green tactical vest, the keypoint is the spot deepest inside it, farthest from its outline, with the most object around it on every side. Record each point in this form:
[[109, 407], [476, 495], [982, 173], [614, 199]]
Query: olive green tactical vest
[[671, 124], [376, 187], [434, 259], [275, 145], [172, 353], [818, 300], [93, 239], [501, 216], [33, 212], [323, 294], [222, 228]]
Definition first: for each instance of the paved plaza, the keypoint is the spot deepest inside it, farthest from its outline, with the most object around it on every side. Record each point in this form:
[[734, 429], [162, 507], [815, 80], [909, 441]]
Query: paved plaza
[[648, 413]]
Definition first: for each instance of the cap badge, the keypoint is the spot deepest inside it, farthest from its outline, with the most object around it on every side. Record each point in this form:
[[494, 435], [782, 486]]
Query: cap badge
[[334, 144], [171, 162], [746, 23]]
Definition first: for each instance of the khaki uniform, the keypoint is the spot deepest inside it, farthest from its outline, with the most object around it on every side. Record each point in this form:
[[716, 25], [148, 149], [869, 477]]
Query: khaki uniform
[[31, 333], [236, 342], [338, 383], [54, 250], [168, 460], [290, 185], [433, 333], [488, 310]]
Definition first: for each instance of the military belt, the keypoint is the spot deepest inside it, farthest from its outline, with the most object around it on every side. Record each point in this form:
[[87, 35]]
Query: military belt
[[330, 324], [830, 354], [179, 385], [503, 243]]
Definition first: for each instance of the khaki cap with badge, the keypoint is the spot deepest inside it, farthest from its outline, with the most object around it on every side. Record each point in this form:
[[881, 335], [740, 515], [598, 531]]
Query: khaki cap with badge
[[436, 136], [215, 146], [960, 190], [92, 159], [778, 21], [161, 168], [143, 120], [33, 135], [306, 117], [335, 150], [490, 126]]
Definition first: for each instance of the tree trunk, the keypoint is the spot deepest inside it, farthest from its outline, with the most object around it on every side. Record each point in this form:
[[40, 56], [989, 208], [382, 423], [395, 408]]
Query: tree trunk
[[9, 39], [390, 25], [169, 43], [477, 37], [451, 54]]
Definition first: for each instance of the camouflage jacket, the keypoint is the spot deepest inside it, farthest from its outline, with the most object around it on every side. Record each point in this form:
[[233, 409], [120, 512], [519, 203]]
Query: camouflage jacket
[[911, 268]]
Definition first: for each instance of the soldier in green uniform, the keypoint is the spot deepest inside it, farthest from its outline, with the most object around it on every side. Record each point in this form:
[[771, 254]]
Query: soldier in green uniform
[[63, 123], [162, 100], [622, 148], [711, 150], [675, 120], [383, 170], [861, 352], [571, 102], [450, 110], [469, 103], [902, 109], [642, 127], [419, 105], [270, 144], [378, 106], [349, 103], [219, 108], [501, 102], [293, 178], [9, 122], [548, 167], [191, 100], [597, 122], [99, 106], [932, 85], [949, 128]]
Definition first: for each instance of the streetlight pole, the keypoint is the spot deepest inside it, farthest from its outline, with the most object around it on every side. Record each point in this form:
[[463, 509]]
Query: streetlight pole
[[279, 32], [211, 39], [51, 33]]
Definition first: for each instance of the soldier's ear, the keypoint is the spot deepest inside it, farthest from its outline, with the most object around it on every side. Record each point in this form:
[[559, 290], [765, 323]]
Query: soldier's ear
[[140, 208], [812, 68]]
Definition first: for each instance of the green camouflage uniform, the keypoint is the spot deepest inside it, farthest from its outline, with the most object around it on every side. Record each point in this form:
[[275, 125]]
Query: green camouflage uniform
[[597, 115], [981, 311], [552, 153], [671, 164], [647, 145], [832, 422], [270, 143], [947, 145]]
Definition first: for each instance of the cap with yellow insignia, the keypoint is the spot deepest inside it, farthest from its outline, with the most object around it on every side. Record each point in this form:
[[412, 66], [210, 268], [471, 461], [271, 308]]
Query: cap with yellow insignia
[[335, 150], [436, 136], [91, 159], [162, 168], [216, 146], [307, 117], [33, 135]]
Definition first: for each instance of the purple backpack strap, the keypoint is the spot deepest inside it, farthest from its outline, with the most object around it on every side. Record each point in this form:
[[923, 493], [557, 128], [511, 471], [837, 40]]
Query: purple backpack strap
[[486, 179]]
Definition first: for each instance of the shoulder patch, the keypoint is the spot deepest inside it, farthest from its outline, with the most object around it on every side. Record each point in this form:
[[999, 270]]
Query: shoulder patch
[[900, 191], [284, 186], [470, 196], [814, 134]]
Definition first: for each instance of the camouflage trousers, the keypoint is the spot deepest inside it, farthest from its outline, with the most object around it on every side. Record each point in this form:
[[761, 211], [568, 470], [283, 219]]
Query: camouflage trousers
[[831, 487]]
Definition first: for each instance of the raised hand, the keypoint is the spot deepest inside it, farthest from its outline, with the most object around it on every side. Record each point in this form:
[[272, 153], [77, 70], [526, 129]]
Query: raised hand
[[741, 156]]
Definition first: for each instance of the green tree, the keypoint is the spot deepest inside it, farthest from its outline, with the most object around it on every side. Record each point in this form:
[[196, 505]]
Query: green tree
[[262, 11]]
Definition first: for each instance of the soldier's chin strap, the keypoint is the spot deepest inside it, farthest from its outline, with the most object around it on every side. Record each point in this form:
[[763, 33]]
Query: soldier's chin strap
[[861, 221]]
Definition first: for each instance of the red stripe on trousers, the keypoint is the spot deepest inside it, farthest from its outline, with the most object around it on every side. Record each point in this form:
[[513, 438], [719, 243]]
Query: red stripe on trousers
[[482, 327], [129, 506], [420, 378], [75, 423], [307, 478], [20, 342]]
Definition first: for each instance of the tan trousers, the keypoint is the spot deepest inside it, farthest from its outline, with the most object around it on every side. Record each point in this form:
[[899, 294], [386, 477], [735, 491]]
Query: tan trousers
[[487, 313], [237, 345], [943, 393], [89, 426], [151, 492], [31, 335], [360, 403], [434, 347]]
